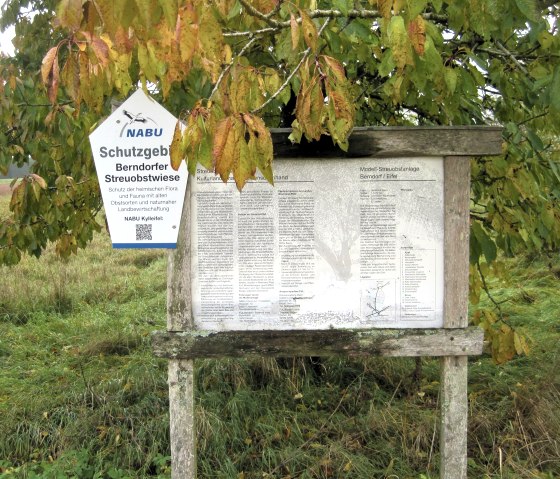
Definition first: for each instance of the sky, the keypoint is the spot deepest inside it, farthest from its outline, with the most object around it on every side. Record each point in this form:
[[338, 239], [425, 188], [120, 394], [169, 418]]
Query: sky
[[6, 46]]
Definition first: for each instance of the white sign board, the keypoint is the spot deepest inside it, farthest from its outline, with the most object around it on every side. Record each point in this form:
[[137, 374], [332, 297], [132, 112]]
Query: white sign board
[[334, 244], [142, 194]]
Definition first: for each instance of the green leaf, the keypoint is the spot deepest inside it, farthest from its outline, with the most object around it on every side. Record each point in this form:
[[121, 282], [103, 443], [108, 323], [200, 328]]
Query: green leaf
[[170, 11], [450, 75], [554, 90], [528, 8], [400, 43], [415, 7], [343, 5], [437, 5], [487, 244]]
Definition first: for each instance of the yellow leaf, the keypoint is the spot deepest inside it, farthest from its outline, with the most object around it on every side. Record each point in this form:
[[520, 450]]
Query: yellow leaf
[[503, 345], [107, 10], [211, 43], [175, 151], [69, 14], [187, 30], [520, 342], [243, 158], [399, 42], [71, 77], [146, 11], [224, 148], [385, 7], [146, 64]]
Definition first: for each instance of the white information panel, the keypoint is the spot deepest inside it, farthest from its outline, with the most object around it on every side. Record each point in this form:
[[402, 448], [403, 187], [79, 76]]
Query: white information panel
[[142, 194], [334, 244]]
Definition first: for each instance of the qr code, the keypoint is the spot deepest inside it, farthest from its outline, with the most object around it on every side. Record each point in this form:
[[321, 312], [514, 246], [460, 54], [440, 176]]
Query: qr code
[[143, 232]]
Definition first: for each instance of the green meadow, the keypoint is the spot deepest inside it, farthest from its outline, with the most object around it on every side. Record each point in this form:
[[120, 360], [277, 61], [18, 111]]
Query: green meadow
[[81, 395]]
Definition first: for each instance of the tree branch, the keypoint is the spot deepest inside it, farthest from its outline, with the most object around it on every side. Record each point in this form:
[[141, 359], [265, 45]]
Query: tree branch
[[322, 13], [256, 13], [291, 75], [228, 67], [262, 31], [512, 56]]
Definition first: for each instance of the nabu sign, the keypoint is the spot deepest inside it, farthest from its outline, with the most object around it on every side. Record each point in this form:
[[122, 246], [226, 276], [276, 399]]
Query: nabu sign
[[139, 125], [142, 194]]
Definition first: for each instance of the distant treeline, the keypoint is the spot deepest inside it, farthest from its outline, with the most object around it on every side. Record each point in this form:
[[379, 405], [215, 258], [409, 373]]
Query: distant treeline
[[16, 172]]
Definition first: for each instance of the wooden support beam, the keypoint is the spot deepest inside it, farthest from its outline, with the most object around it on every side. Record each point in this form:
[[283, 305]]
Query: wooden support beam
[[331, 342], [391, 142], [454, 406], [181, 372]]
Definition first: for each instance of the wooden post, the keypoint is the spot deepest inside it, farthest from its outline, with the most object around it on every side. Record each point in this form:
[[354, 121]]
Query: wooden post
[[182, 342], [454, 408], [181, 371]]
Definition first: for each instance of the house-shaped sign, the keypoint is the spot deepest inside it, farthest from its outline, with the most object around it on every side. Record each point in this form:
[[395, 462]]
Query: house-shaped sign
[[143, 196]]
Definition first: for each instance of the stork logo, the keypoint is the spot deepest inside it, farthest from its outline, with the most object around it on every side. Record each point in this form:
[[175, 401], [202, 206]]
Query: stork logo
[[139, 126]]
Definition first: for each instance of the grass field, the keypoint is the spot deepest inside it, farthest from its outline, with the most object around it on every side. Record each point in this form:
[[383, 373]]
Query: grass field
[[81, 396]]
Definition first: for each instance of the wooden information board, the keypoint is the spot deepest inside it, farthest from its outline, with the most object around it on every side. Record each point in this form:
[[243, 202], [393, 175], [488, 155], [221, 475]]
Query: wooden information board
[[401, 195]]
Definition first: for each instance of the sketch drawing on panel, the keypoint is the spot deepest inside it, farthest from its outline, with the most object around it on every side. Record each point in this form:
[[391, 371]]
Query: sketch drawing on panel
[[378, 300]]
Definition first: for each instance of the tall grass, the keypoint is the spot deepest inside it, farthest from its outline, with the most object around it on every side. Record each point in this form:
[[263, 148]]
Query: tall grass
[[81, 395]]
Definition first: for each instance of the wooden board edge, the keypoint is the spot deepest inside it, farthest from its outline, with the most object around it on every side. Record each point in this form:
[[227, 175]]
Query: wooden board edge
[[380, 342]]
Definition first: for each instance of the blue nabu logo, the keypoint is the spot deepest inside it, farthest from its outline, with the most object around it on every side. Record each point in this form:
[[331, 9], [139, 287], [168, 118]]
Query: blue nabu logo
[[139, 120], [147, 132]]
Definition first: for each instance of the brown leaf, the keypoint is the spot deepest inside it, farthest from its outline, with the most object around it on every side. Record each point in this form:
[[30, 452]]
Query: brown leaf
[[309, 108], [47, 64], [310, 34], [261, 145], [417, 34], [54, 80], [295, 31], [18, 197], [101, 50], [334, 67], [122, 41], [39, 180]]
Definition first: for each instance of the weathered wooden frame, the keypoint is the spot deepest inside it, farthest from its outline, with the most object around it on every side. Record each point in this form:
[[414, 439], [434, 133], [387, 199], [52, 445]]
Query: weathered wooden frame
[[182, 343]]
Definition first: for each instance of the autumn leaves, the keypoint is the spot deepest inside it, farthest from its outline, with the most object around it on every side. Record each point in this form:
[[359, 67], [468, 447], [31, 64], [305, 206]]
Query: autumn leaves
[[246, 58], [229, 137]]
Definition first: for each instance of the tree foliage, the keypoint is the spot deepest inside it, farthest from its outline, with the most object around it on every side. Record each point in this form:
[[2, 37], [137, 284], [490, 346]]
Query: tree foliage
[[233, 68]]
